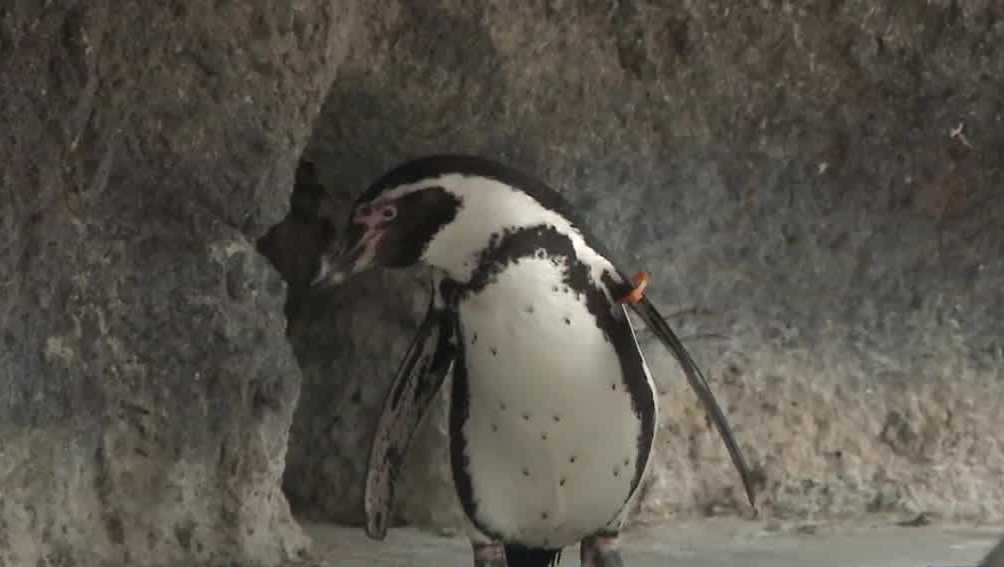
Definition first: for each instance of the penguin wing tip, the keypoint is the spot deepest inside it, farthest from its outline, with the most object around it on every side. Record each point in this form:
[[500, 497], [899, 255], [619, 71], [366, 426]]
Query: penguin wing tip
[[376, 515], [751, 497]]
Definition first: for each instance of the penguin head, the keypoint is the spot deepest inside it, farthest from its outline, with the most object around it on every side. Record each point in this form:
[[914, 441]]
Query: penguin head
[[388, 227], [445, 211]]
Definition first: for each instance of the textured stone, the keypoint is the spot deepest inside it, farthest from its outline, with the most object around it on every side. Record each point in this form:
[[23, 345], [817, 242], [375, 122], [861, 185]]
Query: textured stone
[[815, 188], [146, 386]]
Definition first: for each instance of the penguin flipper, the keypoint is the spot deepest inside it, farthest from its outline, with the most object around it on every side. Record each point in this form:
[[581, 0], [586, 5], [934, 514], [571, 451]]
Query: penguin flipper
[[419, 378], [655, 321]]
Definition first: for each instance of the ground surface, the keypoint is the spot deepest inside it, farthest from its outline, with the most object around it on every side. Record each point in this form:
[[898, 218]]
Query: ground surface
[[695, 544]]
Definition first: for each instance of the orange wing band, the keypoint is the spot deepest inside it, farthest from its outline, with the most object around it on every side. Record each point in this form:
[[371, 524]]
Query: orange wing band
[[640, 281]]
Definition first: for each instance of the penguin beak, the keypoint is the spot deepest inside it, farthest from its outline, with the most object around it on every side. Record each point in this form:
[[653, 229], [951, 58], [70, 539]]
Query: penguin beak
[[336, 268], [331, 272]]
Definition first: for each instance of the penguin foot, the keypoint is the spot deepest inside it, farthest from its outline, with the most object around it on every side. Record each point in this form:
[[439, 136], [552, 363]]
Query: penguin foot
[[488, 554], [601, 550]]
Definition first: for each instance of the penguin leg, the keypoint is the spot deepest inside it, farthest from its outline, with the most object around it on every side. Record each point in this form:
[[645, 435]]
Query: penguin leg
[[601, 550], [490, 554]]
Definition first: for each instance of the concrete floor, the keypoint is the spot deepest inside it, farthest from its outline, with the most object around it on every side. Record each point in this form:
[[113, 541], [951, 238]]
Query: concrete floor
[[694, 544]]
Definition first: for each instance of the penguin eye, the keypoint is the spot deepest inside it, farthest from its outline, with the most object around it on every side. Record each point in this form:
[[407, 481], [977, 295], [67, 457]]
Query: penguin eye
[[389, 212]]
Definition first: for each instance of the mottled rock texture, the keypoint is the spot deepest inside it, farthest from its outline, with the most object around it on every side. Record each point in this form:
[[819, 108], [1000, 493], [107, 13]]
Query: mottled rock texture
[[815, 186], [146, 385]]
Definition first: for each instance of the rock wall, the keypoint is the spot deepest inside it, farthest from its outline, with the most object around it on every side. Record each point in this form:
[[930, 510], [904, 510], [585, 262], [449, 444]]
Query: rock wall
[[146, 385], [816, 188]]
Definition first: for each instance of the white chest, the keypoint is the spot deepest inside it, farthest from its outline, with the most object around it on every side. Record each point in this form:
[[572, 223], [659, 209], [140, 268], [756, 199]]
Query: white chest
[[552, 438]]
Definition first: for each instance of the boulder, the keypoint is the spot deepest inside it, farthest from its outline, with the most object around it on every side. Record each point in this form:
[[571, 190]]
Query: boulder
[[146, 384]]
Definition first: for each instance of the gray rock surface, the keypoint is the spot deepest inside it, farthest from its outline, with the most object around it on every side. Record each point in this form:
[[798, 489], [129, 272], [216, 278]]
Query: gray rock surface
[[815, 188], [146, 386]]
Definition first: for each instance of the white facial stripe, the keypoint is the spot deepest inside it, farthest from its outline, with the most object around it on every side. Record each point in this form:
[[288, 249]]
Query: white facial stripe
[[489, 207], [402, 190]]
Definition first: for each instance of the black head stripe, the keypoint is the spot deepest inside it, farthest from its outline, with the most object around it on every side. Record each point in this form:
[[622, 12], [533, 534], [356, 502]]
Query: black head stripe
[[420, 215]]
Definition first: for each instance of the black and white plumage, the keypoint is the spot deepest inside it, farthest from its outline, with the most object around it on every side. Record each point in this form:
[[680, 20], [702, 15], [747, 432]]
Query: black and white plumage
[[553, 411]]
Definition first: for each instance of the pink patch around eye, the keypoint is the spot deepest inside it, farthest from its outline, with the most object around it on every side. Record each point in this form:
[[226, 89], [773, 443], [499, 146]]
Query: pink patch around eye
[[372, 216]]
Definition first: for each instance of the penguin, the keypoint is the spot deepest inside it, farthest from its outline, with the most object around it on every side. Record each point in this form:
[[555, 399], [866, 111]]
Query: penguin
[[553, 411]]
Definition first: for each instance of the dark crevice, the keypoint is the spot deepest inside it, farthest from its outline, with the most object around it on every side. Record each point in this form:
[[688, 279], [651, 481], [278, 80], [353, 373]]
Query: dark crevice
[[294, 248], [294, 245]]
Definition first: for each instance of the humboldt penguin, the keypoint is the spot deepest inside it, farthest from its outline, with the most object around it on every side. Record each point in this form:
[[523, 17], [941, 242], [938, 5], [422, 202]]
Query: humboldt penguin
[[553, 412]]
